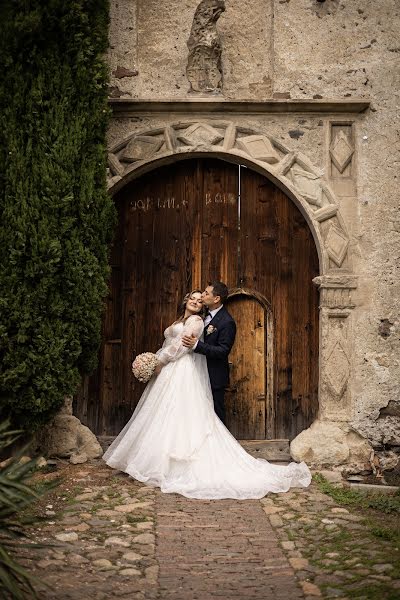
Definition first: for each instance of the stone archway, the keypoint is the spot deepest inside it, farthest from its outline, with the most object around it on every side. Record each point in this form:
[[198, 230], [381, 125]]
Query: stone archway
[[141, 152]]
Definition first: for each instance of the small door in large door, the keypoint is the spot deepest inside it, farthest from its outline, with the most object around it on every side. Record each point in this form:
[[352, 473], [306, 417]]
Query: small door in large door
[[246, 395]]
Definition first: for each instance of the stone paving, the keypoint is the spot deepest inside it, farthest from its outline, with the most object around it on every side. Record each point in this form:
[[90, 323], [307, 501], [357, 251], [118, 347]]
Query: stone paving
[[333, 550], [110, 536], [220, 549]]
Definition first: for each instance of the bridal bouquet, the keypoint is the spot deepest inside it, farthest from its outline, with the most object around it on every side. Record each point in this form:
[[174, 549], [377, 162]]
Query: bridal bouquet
[[144, 366]]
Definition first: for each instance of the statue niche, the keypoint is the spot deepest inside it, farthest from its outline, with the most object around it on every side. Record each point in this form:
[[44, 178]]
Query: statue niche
[[204, 70]]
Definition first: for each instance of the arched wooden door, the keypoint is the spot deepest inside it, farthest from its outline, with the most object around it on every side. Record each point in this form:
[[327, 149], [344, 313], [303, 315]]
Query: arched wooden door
[[249, 396], [180, 227]]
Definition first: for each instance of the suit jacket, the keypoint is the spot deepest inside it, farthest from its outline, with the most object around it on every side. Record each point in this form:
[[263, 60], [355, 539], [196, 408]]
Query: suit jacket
[[216, 347]]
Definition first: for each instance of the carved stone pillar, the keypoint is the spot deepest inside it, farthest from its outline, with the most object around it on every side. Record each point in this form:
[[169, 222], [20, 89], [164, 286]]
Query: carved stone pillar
[[336, 345], [330, 440]]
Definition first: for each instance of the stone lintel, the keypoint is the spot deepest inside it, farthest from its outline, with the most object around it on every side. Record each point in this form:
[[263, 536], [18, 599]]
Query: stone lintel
[[123, 107]]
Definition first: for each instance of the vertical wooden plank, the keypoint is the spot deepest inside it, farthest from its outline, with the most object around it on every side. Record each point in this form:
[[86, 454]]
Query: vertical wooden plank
[[220, 222], [196, 215], [111, 390], [245, 397], [283, 301], [304, 402], [270, 405]]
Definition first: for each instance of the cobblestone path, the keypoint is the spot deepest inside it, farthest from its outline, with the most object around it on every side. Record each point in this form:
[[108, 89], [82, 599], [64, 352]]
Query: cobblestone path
[[108, 536]]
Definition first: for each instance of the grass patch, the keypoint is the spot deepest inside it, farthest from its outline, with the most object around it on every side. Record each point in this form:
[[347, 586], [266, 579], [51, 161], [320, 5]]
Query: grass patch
[[383, 503], [382, 519], [384, 533], [380, 591], [135, 519]]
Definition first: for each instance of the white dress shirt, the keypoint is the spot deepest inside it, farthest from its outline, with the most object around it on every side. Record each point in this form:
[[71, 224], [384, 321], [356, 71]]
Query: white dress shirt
[[211, 315], [208, 319]]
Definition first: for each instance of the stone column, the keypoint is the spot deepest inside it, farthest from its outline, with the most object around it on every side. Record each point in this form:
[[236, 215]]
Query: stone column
[[330, 441], [335, 345]]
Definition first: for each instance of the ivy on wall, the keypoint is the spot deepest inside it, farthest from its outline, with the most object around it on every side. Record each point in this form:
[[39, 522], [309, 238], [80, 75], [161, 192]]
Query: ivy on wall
[[56, 218]]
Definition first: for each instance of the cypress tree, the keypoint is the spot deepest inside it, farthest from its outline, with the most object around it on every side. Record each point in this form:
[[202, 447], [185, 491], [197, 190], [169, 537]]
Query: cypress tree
[[57, 218]]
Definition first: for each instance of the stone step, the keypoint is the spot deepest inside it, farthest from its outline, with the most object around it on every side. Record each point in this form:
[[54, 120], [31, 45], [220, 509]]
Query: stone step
[[276, 450]]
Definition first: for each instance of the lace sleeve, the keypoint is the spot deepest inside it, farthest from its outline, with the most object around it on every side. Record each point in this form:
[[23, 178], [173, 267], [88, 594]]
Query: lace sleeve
[[174, 349]]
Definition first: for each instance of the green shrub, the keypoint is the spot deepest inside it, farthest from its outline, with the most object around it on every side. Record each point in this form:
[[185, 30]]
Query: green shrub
[[56, 216]]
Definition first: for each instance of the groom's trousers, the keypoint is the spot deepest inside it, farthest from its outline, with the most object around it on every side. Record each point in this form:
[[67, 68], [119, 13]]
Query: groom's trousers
[[219, 404]]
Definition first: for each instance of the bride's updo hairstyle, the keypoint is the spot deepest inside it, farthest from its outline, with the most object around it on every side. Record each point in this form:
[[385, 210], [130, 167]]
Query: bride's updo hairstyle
[[182, 305]]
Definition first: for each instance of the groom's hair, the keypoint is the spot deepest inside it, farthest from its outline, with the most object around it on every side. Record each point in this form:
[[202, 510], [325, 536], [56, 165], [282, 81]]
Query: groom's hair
[[220, 289]]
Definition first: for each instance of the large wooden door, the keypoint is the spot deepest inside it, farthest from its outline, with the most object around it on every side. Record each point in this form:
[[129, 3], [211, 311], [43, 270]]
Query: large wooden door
[[179, 228]]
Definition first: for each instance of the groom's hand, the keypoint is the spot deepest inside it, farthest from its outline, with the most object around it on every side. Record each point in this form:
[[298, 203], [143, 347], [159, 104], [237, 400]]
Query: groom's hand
[[189, 340]]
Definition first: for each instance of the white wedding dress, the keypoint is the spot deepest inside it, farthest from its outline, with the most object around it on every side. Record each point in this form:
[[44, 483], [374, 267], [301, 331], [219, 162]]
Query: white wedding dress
[[175, 440]]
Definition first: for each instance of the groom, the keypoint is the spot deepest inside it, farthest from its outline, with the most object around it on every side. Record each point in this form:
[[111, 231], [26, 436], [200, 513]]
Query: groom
[[219, 335]]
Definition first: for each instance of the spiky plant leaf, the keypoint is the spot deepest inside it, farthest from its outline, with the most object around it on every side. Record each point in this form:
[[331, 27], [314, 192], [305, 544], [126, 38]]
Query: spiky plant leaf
[[16, 494]]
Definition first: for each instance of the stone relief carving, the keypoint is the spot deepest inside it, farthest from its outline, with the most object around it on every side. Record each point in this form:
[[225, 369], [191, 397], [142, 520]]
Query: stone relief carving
[[307, 184], [141, 147], [336, 307], [204, 70], [337, 367], [341, 149], [336, 243], [200, 134], [213, 136], [259, 147]]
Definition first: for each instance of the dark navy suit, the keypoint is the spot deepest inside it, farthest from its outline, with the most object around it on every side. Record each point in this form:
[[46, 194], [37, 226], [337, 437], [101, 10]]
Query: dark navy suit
[[215, 348]]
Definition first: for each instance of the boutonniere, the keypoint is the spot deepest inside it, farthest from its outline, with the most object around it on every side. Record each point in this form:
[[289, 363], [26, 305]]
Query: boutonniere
[[210, 329]]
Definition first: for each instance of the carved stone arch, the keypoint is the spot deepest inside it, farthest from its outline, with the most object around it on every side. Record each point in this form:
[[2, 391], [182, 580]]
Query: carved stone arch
[[292, 172]]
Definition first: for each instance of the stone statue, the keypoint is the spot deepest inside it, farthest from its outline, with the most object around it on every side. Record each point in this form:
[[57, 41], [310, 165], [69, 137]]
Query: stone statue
[[204, 70]]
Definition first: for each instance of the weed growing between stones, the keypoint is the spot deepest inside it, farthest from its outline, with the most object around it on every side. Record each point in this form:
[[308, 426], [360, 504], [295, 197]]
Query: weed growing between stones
[[385, 503]]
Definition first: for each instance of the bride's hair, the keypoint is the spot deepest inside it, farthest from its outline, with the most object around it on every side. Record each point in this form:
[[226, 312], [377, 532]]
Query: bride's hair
[[182, 305]]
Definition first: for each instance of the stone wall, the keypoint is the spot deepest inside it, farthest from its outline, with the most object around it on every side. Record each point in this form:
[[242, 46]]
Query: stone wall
[[303, 49]]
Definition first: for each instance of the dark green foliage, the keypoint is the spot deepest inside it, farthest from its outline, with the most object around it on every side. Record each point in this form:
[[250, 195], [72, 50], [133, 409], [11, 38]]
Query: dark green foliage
[[56, 216], [16, 494]]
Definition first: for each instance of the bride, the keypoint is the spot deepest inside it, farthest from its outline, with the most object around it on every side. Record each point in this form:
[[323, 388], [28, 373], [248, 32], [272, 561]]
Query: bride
[[175, 440]]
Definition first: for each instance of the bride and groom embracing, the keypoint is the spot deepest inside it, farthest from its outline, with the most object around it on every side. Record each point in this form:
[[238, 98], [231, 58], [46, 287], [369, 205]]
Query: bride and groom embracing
[[176, 438]]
